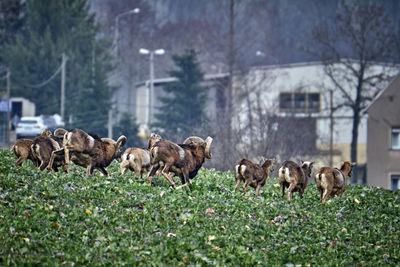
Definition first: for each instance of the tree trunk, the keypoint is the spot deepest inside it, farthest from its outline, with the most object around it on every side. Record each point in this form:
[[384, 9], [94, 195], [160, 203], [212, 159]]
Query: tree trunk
[[354, 141]]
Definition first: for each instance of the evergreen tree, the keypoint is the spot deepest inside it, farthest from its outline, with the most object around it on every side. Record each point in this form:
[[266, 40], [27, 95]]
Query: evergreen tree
[[51, 29], [182, 109], [127, 126], [11, 21]]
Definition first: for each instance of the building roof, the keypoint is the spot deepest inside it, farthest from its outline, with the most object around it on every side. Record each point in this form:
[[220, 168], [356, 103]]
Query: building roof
[[380, 94], [207, 77]]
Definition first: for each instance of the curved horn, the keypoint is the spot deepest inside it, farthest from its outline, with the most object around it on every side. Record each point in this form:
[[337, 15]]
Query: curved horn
[[121, 141], [194, 139], [208, 146], [59, 131]]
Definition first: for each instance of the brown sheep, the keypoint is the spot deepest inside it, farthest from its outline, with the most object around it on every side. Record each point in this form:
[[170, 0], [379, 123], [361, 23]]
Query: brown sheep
[[138, 159], [252, 174], [182, 160], [332, 181], [22, 150], [43, 147], [92, 151], [295, 177]]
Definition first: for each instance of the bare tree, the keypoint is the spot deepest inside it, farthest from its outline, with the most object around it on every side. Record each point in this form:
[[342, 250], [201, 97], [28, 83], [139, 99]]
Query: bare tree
[[362, 36]]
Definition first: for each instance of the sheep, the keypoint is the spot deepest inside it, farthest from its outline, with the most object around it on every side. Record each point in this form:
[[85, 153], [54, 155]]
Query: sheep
[[182, 160], [22, 150], [252, 174], [294, 176], [91, 151], [332, 181], [43, 147], [138, 159]]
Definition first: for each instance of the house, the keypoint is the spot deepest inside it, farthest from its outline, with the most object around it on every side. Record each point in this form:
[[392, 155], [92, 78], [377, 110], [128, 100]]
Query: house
[[304, 92], [383, 147]]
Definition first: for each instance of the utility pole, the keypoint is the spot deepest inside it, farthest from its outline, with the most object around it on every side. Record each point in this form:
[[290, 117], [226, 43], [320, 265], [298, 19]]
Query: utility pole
[[63, 64], [8, 108], [151, 95], [331, 129]]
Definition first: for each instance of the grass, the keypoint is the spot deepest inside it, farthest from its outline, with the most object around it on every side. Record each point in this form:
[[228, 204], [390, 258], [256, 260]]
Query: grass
[[70, 219]]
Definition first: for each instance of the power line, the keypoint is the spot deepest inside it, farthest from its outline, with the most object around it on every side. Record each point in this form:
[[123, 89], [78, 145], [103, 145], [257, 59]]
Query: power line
[[39, 85]]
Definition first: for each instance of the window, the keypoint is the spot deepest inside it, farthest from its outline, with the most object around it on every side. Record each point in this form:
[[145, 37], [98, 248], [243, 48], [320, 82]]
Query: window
[[313, 102], [395, 138], [395, 181], [299, 102], [285, 101]]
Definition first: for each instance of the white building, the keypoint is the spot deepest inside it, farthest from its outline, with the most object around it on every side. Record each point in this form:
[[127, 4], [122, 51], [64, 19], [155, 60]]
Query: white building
[[304, 90]]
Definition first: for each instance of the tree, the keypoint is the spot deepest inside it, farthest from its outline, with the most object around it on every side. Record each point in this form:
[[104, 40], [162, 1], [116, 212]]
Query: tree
[[127, 126], [11, 21], [52, 28], [365, 34], [182, 109]]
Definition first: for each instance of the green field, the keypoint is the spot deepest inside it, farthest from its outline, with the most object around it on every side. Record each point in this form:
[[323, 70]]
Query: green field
[[70, 219]]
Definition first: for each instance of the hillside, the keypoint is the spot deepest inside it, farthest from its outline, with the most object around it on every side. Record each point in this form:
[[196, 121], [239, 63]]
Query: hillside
[[67, 219]]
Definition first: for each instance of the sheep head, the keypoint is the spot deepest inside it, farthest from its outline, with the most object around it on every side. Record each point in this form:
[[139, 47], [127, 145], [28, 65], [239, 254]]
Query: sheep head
[[198, 140], [307, 167], [154, 138]]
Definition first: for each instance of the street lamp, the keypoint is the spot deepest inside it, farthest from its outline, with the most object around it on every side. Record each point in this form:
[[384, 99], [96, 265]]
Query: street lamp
[[115, 44], [116, 30], [150, 92], [262, 54]]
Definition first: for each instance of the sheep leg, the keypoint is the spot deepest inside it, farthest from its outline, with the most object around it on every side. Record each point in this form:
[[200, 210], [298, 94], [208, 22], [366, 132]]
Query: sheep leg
[[153, 170], [327, 192], [246, 183], [258, 189], [20, 160], [123, 167], [184, 179], [301, 192], [166, 175], [321, 191], [237, 181], [165, 172], [290, 190], [66, 158], [43, 165], [52, 157], [89, 170], [103, 171], [282, 189]]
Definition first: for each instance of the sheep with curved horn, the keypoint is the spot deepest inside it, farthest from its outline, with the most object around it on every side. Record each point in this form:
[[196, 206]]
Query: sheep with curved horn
[[92, 151], [183, 160]]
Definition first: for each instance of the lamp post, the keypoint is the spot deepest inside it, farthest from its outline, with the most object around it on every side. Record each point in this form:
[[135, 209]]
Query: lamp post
[[262, 54], [115, 44], [150, 92], [116, 30]]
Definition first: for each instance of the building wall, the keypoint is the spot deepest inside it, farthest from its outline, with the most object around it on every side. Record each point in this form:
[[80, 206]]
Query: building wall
[[383, 114]]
